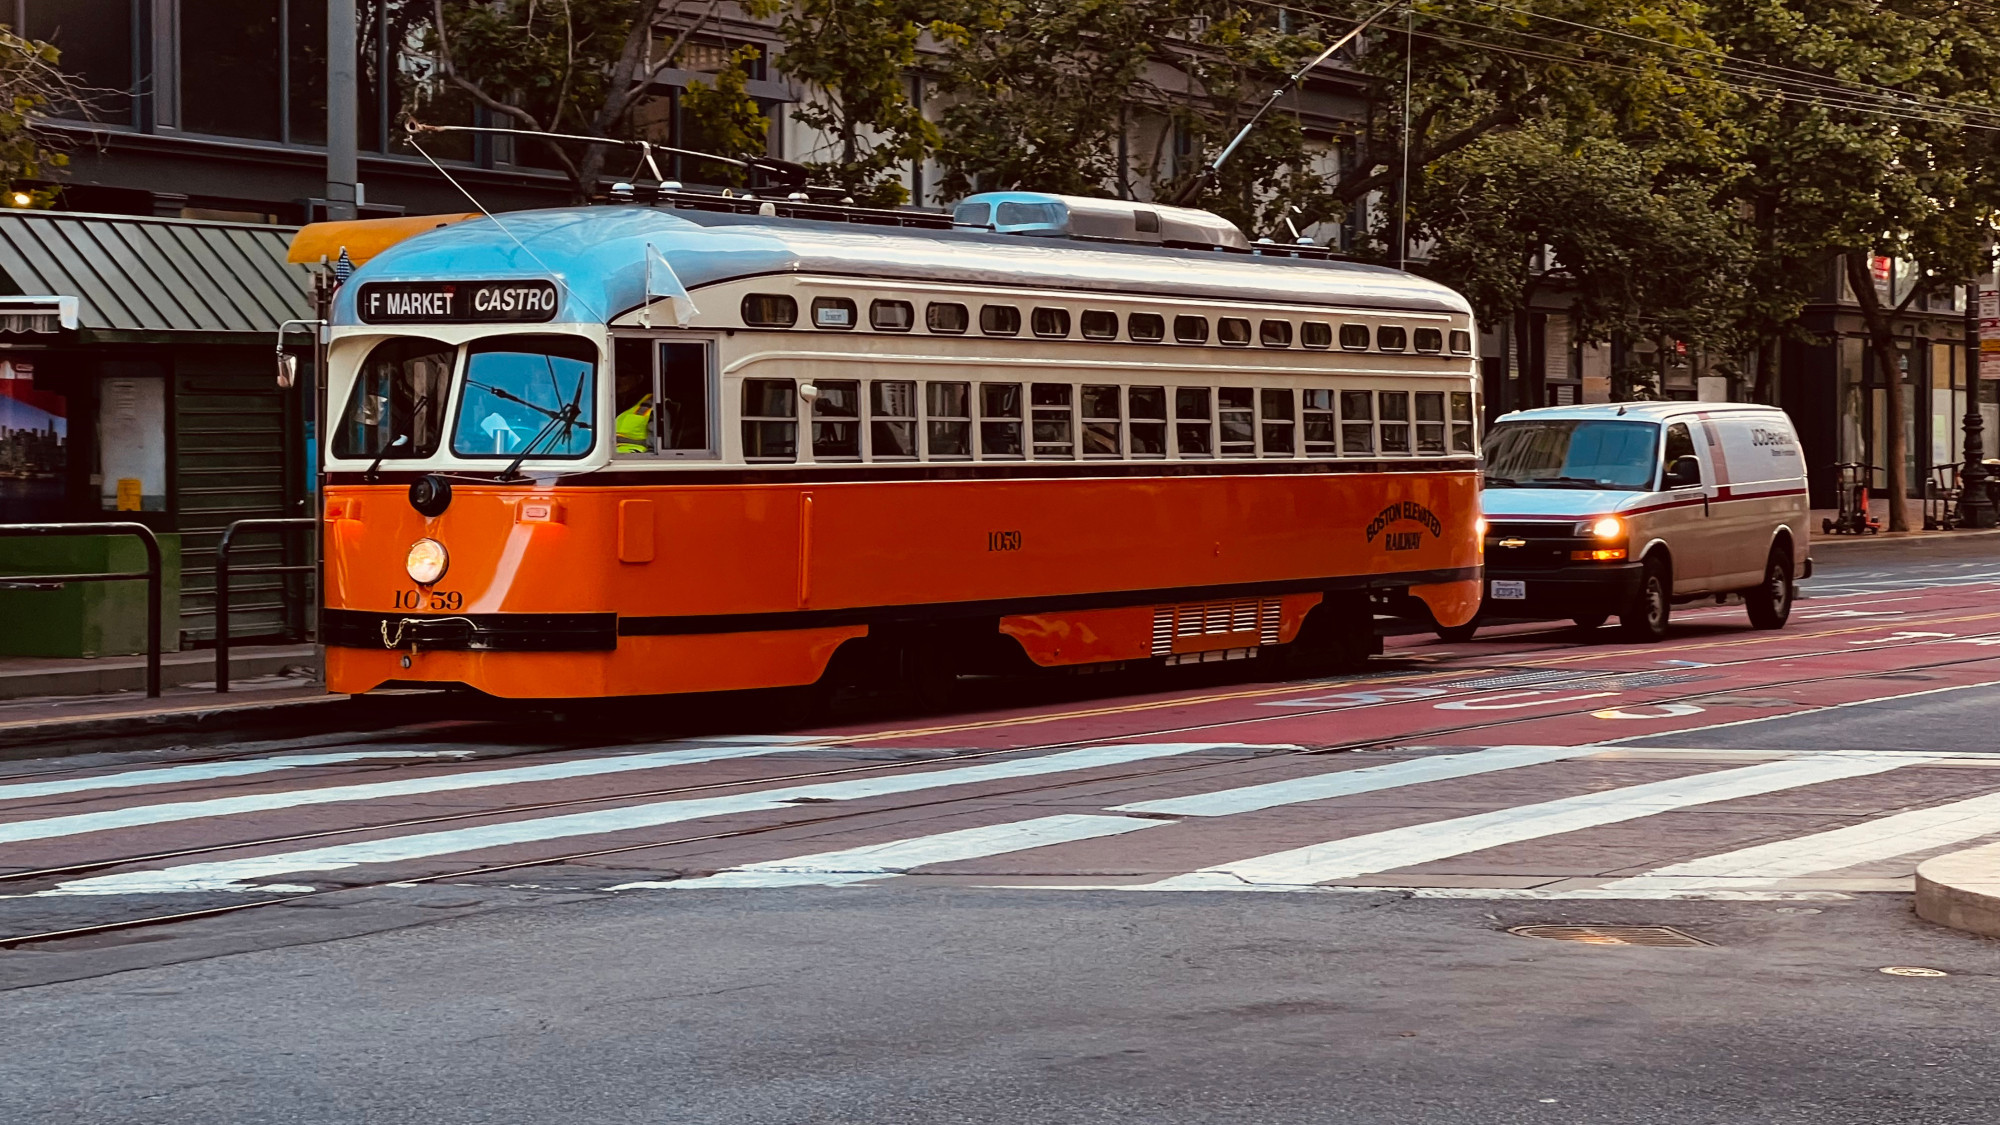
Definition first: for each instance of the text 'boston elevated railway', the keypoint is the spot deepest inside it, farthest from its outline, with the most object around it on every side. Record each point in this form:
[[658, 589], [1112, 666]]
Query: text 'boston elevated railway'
[[670, 447]]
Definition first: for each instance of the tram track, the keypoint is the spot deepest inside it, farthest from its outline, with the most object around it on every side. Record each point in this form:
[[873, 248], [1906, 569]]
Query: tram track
[[1353, 746], [1407, 679]]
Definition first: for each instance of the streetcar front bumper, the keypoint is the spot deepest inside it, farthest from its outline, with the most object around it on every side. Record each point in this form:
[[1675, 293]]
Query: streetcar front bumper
[[472, 632]]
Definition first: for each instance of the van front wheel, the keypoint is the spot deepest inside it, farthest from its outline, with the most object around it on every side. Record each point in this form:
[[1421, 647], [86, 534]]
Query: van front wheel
[[1644, 616], [1770, 601]]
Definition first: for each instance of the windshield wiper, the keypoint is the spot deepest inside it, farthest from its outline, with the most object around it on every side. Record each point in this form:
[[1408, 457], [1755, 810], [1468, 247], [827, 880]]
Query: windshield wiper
[[374, 472], [509, 396], [566, 417]]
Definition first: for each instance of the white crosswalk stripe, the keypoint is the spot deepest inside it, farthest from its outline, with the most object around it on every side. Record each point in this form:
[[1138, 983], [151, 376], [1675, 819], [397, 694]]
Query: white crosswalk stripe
[[206, 771], [1367, 779]]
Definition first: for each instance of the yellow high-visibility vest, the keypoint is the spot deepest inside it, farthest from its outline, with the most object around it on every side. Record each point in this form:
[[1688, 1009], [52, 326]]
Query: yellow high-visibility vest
[[635, 426]]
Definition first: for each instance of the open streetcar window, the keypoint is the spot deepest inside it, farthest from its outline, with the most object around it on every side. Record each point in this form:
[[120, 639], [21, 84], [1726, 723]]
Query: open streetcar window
[[999, 419], [1193, 431], [1146, 328], [892, 420], [1278, 419], [1191, 329], [1316, 334], [1275, 333], [1234, 331], [1461, 421], [530, 394], [944, 316], [1391, 338], [1430, 421], [1148, 414], [833, 312], [837, 421], [891, 316], [400, 393], [1395, 431], [770, 310], [1427, 340], [1354, 337], [1101, 416], [1322, 434], [1051, 322], [1357, 422], [948, 419], [1053, 434], [770, 420], [1001, 320], [1236, 413], [1100, 324]]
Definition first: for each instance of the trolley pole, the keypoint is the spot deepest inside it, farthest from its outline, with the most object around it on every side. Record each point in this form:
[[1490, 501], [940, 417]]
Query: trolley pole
[[1982, 319]]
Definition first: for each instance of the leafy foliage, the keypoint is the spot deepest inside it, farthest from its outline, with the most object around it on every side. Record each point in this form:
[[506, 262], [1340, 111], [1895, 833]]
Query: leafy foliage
[[855, 54], [31, 82]]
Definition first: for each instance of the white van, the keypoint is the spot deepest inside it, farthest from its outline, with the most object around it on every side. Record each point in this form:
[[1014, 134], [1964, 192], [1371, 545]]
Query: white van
[[1628, 508]]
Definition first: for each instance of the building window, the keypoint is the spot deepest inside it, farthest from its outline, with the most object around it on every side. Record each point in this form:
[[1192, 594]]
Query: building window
[[1193, 430], [96, 38], [1000, 416], [1101, 419], [1146, 328], [1099, 324], [891, 316], [1191, 329], [837, 421], [943, 316], [1147, 414], [1000, 320], [1278, 421], [1053, 436], [770, 420], [1051, 322], [1236, 414], [229, 68], [948, 419]]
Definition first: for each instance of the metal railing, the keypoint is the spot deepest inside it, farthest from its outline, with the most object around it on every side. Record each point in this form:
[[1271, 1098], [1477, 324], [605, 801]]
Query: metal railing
[[57, 581], [222, 581]]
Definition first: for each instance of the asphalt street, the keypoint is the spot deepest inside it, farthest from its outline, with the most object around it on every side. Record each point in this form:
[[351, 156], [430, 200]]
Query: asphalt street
[[1197, 898]]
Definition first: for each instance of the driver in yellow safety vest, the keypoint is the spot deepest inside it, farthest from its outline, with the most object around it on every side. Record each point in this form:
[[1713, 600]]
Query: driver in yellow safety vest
[[635, 426]]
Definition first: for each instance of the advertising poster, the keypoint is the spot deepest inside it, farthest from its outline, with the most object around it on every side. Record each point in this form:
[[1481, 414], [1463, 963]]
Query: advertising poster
[[34, 447]]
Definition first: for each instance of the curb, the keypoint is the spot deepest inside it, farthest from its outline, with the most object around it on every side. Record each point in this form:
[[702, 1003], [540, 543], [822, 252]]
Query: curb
[[1818, 543], [1962, 890], [37, 735]]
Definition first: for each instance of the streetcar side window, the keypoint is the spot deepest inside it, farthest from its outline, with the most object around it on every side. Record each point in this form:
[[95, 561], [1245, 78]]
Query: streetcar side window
[[527, 394], [1233, 330], [1316, 334], [1053, 432], [1278, 421], [770, 420], [400, 392], [1461, 342], [681, 416], [892, 420], [1051, 322], [770, 310], [1101, 421], [1000, 419], [1194, 432], [1395, 428], [1236, 414], [1461, 421], [1100, 324], [1354, 337], [891, 316], [1357, 422], [1146, 328], [1000, 320], [634, 395], [1430, 421], [948, 420], [1322, 433], [1427, 340], [944, 316], [833, 312], [1191, 329], [1147, 411], [1275, 333], [836, 431], [1391, 338]]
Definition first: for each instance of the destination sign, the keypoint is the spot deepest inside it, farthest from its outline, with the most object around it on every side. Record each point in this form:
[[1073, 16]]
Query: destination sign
[[456, 302]]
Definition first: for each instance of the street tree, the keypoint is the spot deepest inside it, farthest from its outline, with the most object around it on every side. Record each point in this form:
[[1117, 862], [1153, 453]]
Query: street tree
[[855, 57], [32, 83]]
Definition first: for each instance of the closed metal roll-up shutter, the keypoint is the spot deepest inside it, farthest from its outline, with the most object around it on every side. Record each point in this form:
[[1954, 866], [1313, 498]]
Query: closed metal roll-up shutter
[[231, 464]]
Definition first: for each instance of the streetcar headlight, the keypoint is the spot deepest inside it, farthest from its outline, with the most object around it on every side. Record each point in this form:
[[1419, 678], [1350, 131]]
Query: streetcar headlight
[[427, 561], [1607, 527]]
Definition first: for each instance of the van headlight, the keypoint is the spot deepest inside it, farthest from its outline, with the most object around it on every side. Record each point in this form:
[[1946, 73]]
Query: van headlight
[[1604, 527], [426, 562]]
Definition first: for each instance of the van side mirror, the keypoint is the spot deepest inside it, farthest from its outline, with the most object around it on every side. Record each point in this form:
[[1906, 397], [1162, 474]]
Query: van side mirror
[[1685, 472]]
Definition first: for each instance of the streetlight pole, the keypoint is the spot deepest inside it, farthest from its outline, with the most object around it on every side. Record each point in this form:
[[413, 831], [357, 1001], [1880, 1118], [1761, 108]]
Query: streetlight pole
[[342, 112], [1975, 505]]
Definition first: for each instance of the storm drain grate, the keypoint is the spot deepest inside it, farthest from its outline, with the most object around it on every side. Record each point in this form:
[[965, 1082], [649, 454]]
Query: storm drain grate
[[1657, 936]]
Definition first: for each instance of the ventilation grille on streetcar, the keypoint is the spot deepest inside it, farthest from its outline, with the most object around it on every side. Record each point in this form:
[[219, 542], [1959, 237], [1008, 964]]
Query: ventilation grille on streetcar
[[1261, 618]]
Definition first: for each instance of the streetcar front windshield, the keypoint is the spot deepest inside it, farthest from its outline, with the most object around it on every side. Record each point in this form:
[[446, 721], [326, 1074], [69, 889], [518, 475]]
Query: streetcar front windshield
[[531, 396], [1572, 453], [397, 407]]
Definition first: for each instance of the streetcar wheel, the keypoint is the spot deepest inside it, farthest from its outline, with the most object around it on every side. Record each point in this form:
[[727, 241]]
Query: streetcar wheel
[[1770, 601], [1337, 636], [1644, 617]]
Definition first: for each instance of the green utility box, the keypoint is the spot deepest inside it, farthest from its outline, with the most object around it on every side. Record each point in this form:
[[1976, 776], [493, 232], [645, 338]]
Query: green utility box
[[86, 619]]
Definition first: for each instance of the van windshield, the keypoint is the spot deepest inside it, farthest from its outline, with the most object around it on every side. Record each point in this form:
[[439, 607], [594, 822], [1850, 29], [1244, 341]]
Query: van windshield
[[1572, 453]]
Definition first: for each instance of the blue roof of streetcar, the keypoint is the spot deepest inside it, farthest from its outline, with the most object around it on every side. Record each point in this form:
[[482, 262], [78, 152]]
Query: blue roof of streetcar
[[597, 255]]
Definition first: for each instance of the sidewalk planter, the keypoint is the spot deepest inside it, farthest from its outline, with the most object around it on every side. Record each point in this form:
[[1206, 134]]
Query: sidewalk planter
[[86, 619]]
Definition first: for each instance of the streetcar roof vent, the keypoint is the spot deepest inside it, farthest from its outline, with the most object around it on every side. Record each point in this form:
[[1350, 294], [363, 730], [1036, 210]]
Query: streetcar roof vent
[[1042, 214]]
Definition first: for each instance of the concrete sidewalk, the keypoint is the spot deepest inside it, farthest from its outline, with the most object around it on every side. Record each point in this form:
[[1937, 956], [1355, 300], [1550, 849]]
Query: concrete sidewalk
[[23, 677], [1962, 890], [1817, 518]]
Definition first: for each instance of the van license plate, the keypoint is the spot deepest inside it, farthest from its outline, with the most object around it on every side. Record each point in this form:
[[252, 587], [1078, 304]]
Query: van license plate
[[1509, 591]]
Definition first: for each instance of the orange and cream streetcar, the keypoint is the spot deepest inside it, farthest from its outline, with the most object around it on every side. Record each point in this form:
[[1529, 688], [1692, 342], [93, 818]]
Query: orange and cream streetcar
[[687, 443]]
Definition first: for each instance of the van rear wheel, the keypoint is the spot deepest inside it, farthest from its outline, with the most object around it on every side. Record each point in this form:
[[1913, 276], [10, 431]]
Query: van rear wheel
[[1770, 601], [1644, 616]]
